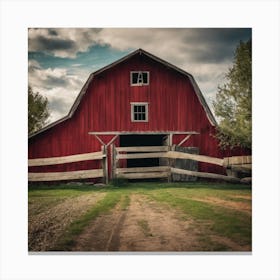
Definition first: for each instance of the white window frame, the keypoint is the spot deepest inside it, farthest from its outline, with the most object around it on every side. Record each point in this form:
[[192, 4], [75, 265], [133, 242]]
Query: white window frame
[[139, 84], [146, 104]]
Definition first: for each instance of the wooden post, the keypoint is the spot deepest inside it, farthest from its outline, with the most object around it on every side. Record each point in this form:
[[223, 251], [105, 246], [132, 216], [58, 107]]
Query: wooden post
[[170, 139], [112, 160], [113, 164], [105, 165], [170, 165]]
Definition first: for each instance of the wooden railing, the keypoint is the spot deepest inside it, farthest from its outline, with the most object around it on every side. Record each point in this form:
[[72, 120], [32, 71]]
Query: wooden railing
[[120, 153], [231, 164], [70, 175], [234, 163]]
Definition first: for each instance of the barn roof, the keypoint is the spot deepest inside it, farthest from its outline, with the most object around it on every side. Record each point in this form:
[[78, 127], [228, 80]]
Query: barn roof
[[136, 52]]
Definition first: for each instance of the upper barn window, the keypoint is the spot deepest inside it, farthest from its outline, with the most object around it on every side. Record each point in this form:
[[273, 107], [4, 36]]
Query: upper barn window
[[139, 111], [139, 78]]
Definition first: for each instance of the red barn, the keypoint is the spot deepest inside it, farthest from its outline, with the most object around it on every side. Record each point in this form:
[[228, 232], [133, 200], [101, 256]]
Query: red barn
[[139, 100]]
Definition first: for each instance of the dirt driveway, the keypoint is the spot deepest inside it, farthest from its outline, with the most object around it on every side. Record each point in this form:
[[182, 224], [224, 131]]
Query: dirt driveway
[[146, 225], [140, 218]]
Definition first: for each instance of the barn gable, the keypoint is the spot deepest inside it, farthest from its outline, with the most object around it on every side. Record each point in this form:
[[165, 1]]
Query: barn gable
[[125, 59]]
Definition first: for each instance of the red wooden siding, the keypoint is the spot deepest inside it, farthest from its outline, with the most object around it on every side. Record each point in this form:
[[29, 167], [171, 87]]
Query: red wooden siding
[[173, 106]]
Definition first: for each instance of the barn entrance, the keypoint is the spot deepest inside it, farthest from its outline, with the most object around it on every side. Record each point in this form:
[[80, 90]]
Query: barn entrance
[[141, 140]]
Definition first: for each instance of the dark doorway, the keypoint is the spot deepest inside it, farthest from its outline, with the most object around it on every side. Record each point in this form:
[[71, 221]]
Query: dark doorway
[[136, 140]]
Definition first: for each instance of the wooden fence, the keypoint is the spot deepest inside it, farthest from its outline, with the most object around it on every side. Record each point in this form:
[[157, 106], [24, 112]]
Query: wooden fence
[[139, 153], [119, 153], [70, 175], [165, 170]]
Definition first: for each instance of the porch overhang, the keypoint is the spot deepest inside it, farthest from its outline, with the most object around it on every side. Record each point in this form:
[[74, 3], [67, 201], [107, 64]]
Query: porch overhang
[[141, 132], [115, 135]]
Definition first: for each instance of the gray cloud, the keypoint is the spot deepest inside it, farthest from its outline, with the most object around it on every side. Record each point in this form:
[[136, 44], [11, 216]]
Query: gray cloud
[[202, 44], [206, 53], [59, 106], [62, 42], [50, 44], [52, 32], [52, 81], [215, 45]]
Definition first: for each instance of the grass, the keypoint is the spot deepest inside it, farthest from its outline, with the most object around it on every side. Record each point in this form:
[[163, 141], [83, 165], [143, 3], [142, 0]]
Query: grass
[[43, 197], [207, 217], [66, 242], [143, 224], [125, 202], [225, 222]]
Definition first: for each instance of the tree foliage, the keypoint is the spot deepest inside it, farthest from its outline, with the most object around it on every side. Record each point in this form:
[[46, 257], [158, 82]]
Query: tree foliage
[[38, 112], [233, 104]]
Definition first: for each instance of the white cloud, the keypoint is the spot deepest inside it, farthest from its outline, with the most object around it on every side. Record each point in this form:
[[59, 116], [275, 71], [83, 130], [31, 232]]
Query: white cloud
[[204, 53], [57, 85]]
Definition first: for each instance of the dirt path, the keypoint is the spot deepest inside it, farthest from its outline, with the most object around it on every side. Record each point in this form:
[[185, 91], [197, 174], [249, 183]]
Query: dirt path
[[102, 232], [148, 226], [145, 226], [154, 227], [45, 227]]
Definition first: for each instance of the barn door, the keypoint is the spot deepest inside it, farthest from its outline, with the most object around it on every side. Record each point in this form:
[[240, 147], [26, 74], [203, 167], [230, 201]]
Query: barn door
[[186, 164]]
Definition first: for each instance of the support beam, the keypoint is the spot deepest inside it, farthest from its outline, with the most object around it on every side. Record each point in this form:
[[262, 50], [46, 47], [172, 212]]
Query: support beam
[[141, 155], [143, 149], [99, 139], [112, 140], [170, 139], [114, 161], [140, 132], [105, 165], [184, 140]]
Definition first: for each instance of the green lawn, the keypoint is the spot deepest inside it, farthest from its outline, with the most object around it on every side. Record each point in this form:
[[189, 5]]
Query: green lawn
[[214, 209]]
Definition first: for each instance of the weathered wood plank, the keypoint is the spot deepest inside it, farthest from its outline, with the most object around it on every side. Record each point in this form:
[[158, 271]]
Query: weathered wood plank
[[175, 155], [184, 140], [142, 169], [201, 158], [185, 164], [205, 175], [143, 149], [236, 160], [59, 176], [105, 165], [141, 155], [65, 159], [242, 167], [115, 162], [112, 140], [140, 132], [148, 175], [246, 180], [113, 168], [99, 139]]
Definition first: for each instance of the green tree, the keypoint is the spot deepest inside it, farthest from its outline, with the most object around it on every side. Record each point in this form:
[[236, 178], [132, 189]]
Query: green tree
[[233, 104], [38, 112]]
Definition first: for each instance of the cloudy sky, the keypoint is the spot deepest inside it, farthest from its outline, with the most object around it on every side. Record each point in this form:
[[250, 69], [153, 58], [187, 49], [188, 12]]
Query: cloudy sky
[[61, 59]]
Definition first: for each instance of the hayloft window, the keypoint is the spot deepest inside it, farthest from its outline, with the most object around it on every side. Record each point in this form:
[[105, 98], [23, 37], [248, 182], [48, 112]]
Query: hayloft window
[[139, 112], [139, 78]]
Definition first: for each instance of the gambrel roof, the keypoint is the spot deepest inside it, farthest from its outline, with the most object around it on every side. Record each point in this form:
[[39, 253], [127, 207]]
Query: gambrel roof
[[201, 98]]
